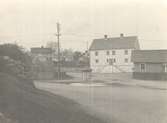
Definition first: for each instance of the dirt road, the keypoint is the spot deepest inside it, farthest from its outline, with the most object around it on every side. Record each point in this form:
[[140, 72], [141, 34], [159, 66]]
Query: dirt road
[[116, 103]]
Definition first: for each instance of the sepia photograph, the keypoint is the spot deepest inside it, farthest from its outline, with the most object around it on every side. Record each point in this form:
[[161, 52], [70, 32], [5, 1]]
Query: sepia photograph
[[83, 61]]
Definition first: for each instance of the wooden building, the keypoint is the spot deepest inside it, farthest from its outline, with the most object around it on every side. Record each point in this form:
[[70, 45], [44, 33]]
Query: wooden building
[[150, 64], [108, 55]]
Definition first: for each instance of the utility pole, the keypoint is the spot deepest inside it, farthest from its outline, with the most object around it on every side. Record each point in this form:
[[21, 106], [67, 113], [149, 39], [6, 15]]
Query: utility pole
[[87, 47], [58, 50]]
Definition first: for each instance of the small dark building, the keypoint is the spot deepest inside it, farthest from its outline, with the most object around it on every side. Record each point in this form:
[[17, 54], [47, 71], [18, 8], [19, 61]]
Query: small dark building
[[150, 64]]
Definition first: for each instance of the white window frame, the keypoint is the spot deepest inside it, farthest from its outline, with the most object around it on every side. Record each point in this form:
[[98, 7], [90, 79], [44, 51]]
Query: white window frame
[[96, 61], [114, 52], [142, 70], [126, 52], [114, 60], [107, 52], [96, 53], [126, 60], [107, 60], [111, 61]]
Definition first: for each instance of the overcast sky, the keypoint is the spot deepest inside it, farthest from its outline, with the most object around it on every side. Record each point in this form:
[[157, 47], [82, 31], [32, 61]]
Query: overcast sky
[[32, 23]]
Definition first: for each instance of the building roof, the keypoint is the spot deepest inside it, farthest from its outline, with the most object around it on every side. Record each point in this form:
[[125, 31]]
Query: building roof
[[41, 50], [152, 56], [129, 42]]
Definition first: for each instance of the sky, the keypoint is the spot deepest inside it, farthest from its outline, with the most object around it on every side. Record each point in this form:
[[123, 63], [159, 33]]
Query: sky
[[32, 23]]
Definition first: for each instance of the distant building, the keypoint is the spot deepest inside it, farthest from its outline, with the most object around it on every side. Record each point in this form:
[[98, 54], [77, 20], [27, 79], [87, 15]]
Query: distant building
[[150, 64], [84, 59], [42, 59], [42, 54], [109, 55]]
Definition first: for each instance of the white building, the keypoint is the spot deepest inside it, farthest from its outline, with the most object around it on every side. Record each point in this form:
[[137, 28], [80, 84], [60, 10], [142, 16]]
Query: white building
[[109, 55]]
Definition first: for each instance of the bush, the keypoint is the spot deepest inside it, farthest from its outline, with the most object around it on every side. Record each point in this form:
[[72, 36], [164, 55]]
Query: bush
[[15, 61]]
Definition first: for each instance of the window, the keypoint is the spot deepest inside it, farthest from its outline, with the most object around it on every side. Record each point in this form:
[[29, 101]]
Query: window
[[108, 53], [113, 52], [126, 52], [96, 53], [97, 61], [126, 60], [165, 67], [111, 61], [143, 67]]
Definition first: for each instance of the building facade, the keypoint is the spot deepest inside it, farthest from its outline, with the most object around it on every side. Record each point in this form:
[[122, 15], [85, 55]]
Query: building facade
[[42, 63], [113, 55], [41, 54], [150, 64]]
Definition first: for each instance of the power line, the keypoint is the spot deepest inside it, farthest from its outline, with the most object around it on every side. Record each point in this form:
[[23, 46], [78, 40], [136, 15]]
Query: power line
[[74, 34]]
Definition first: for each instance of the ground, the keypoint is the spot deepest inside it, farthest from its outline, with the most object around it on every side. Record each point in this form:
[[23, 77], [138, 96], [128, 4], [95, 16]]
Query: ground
[[21, 102], [117, 102]]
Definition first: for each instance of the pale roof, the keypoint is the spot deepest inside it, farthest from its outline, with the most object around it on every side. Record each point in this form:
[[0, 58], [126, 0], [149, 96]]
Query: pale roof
[[129, 42], [152, 56]]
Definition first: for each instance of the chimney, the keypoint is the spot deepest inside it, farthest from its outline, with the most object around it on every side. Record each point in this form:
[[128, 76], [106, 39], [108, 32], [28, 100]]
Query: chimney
[[105, 36], [121, 35]]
